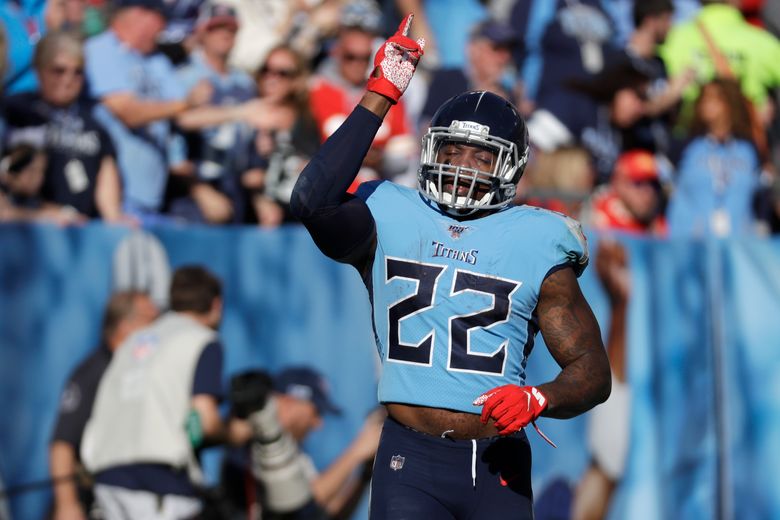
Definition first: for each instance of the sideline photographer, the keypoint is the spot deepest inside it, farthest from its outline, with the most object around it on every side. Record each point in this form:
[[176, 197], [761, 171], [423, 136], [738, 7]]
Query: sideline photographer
[[282, 411]]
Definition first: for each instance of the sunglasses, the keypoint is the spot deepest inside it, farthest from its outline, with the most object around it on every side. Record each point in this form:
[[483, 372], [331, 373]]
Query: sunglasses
[[60, 71], [231, 25], [348, 56], [653, 183], [282, 73]]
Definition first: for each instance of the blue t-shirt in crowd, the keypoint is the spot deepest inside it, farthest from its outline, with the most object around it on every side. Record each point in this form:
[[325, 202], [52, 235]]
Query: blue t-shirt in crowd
[[219, 152], [220, 155], [23, 24], [451, 27], [230, 88], [113, 68], [714, 190]]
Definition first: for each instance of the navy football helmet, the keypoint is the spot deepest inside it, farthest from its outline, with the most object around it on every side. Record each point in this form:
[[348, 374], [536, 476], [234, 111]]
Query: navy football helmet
[[481, 119]]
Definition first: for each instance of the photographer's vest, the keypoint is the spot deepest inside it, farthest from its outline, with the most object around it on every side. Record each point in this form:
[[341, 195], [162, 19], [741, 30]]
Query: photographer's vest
[[144, 397]]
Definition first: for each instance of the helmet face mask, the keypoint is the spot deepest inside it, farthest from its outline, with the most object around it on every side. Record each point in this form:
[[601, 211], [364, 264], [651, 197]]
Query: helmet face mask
[[463, 190]]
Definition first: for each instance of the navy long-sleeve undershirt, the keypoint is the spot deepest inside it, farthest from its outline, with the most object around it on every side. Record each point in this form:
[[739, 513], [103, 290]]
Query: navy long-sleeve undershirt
[[340, 224]]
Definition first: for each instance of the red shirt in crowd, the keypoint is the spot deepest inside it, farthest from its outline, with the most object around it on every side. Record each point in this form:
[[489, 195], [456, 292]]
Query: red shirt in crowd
[[332, 103], [609, 212]]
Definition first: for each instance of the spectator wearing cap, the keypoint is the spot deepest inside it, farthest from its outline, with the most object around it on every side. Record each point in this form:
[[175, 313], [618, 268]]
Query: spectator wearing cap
[[633, 201], [303, 400], [339, 85], [178, 39], [140, 96], [212, 193], [489, 54]]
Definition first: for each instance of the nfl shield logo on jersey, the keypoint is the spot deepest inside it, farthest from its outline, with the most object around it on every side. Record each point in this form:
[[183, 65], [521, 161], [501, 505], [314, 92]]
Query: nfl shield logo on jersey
[[396, 462]]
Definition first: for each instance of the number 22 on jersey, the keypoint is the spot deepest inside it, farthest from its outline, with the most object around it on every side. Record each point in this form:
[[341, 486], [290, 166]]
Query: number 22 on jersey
[[428, 294]]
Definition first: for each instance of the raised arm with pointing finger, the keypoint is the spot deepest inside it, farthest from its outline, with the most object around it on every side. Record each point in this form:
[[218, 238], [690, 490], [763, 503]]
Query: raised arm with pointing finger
[[460, 282], [342, 226]]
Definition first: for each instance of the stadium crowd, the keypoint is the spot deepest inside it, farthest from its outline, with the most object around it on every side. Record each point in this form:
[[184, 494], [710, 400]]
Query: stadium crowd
[[658, 113], [657, 117]]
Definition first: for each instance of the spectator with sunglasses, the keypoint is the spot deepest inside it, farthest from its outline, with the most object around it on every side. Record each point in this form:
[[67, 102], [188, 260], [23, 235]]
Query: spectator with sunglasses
[[81, 171], [338, 87], [285, 136]]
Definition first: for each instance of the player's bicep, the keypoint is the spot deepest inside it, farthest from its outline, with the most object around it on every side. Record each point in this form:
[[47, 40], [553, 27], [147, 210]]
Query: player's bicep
[[345, 233], [567, 323]]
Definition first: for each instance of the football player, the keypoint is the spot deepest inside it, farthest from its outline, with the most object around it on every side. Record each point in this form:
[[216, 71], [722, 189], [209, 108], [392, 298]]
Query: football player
[[460, 282]]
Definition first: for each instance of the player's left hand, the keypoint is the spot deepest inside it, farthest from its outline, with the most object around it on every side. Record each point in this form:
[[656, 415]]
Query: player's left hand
[[512, 407]]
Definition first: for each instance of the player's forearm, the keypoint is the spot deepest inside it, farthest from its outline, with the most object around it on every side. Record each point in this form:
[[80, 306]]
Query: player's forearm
[[573, 337], [580, 386]]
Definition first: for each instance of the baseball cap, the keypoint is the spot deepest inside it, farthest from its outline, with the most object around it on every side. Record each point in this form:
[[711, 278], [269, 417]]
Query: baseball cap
[[152, 5], [361, 14], [212, 14], [497, 32], [637, 165], [307, 384]]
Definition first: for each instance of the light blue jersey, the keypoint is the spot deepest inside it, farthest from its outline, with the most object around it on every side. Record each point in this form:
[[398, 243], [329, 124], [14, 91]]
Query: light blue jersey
[[453, 302]]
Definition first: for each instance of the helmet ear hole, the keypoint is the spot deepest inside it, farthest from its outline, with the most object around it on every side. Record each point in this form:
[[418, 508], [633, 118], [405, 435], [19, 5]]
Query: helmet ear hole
[[477, 119]]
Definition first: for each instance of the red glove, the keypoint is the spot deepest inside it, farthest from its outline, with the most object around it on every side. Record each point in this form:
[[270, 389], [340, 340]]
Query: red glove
[[395, 62], [511, 406]]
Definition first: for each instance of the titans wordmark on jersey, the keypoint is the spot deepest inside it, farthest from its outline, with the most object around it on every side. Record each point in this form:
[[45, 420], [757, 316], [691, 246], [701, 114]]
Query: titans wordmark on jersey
[[453, 302]]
